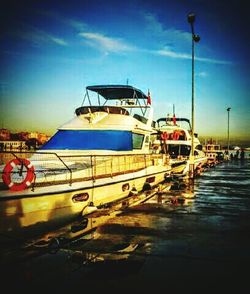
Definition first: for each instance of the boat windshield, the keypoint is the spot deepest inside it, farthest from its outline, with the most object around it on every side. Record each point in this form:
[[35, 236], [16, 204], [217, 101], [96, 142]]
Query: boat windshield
[[94, 140], [175, 150], [169, 121]]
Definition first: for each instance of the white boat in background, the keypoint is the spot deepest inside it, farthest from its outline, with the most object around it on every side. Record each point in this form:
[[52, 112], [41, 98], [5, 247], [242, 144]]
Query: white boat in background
[[101, 156], [174, 139], [214, 152]]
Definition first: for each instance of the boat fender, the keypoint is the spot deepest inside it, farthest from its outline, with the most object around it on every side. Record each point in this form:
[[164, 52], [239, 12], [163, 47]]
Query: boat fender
[[133, 192], [88, 210], [176, 135], [164, 136], [7, 172]]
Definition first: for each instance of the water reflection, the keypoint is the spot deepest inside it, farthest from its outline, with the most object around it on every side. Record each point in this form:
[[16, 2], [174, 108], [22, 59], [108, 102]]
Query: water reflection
[[189, 226], [104, 237]]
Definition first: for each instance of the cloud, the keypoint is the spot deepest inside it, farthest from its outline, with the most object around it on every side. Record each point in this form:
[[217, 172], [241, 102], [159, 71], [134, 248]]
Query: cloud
[[215, 61], [175, 39], [38, 37], [93, 39], [202, 74], [105, 43], [56, 40], [156, 29], [169, 53], [80, 26]]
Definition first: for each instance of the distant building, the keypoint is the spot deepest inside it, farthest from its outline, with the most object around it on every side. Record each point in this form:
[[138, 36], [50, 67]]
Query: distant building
[[23, 136], [12, 145], [21, 141], [4, 134], [43, 138], [33, 135]]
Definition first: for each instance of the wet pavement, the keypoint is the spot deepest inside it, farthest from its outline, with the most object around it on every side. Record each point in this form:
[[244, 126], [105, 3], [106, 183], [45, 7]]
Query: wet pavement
[[195, 236]]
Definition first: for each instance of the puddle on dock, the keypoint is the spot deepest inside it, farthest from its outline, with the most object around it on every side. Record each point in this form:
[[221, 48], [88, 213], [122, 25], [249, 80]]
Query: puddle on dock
[[188, 236]]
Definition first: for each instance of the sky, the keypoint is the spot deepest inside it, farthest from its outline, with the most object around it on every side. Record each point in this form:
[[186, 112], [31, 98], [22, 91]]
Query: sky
[[51, 50]]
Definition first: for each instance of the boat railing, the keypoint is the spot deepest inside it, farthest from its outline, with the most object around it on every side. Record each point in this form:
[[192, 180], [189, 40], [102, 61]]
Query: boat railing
[[52, 168]]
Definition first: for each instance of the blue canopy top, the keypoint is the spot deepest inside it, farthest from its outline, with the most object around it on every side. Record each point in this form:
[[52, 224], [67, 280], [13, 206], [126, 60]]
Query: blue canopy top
[[110, 92]]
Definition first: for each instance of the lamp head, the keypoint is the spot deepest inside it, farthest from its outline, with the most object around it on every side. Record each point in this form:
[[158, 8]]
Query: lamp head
[[229, 108], [191, 18], [196, 38]]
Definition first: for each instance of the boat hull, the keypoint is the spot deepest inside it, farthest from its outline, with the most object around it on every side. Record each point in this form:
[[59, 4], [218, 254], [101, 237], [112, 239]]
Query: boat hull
[[64, 203], [184, 170]]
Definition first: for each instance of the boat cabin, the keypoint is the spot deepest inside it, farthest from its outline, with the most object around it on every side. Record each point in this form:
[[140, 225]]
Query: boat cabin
[[118, 118]]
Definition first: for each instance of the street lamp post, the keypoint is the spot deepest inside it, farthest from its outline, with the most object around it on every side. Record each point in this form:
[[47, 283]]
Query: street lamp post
[[195, 39], [228, 110]]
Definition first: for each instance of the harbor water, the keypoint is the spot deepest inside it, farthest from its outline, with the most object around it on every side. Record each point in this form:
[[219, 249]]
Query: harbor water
[[194, 236]]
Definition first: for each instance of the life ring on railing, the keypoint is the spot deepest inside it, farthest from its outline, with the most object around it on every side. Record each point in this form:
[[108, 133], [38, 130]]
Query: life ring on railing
[[176, 135], [164, 136], [7, 172]]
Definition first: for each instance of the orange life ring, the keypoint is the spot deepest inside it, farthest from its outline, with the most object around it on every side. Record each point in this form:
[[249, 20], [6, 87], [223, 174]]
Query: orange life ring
[[176, 135], [7, 172], [164, 136]]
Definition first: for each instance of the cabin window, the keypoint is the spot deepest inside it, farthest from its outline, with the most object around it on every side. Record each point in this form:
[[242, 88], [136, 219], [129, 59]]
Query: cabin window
[[185, 150], [150, 180], [81, 197], [176, 150], [198, 147], [137, 141]]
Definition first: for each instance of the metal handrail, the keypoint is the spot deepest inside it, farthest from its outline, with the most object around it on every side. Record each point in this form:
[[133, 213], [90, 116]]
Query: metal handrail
[[112, 165]]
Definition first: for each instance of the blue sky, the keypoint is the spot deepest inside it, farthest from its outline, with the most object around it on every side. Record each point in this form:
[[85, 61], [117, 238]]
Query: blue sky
[[51, 50]]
